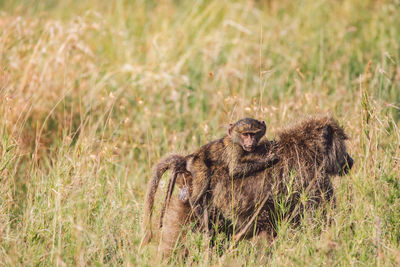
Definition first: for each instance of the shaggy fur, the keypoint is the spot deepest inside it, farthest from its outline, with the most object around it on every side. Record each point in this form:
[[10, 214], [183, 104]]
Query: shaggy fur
[[169, 162], [240, 155], [309, 152]]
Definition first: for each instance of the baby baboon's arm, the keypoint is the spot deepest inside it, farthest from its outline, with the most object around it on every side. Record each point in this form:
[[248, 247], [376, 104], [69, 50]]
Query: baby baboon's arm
[[251, 163]]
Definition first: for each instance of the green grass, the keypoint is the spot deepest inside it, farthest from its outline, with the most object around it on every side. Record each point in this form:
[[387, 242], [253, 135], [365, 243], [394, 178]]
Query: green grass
[[93, 93]]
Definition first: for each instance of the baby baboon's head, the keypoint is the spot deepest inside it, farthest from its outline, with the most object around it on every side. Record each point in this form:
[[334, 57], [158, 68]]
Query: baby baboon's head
[[247, 133]]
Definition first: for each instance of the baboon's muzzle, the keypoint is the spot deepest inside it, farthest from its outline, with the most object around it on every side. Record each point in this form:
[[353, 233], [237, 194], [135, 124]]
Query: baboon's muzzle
[[347, 164]]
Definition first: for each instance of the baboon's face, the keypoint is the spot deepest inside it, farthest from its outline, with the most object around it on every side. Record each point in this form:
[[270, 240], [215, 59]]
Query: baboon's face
[[339, 161], [248, 141], [247, 133], [346, 165]]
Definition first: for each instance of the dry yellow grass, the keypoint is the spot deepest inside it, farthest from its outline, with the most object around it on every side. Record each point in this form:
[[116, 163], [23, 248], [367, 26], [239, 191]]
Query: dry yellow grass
[[93, 93]]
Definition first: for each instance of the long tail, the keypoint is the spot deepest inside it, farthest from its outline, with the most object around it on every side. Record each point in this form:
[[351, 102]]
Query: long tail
[[152, 187], [178, 167]]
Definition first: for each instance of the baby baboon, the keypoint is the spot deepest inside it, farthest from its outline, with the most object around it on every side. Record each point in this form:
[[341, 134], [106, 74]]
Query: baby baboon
[[240, 152], [309, 153]]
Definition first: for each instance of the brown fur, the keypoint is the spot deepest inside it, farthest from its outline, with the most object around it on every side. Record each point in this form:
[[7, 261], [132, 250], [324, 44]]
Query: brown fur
[[227, 152], [231, 152], [309, 152], [176, 215], [169, 162]]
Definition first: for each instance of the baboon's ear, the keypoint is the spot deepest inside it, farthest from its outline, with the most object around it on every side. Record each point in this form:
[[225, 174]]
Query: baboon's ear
[[230, 129], [265, 126], [327, 134]]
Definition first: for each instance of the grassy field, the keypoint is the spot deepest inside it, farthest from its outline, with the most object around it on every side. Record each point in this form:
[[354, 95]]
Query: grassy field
[[93, 93]]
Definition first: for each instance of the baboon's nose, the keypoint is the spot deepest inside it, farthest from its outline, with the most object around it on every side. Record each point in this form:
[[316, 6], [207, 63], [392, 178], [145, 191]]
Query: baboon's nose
[[349, 163]]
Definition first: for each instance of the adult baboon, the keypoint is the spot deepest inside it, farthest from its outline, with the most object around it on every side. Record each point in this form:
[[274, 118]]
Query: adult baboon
[[309, 153]]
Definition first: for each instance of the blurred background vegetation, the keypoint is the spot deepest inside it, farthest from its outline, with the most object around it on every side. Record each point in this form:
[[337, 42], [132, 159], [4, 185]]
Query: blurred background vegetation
[[93, 93]]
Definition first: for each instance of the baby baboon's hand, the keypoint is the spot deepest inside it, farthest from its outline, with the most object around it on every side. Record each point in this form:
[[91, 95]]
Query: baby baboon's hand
[[272, 160]]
